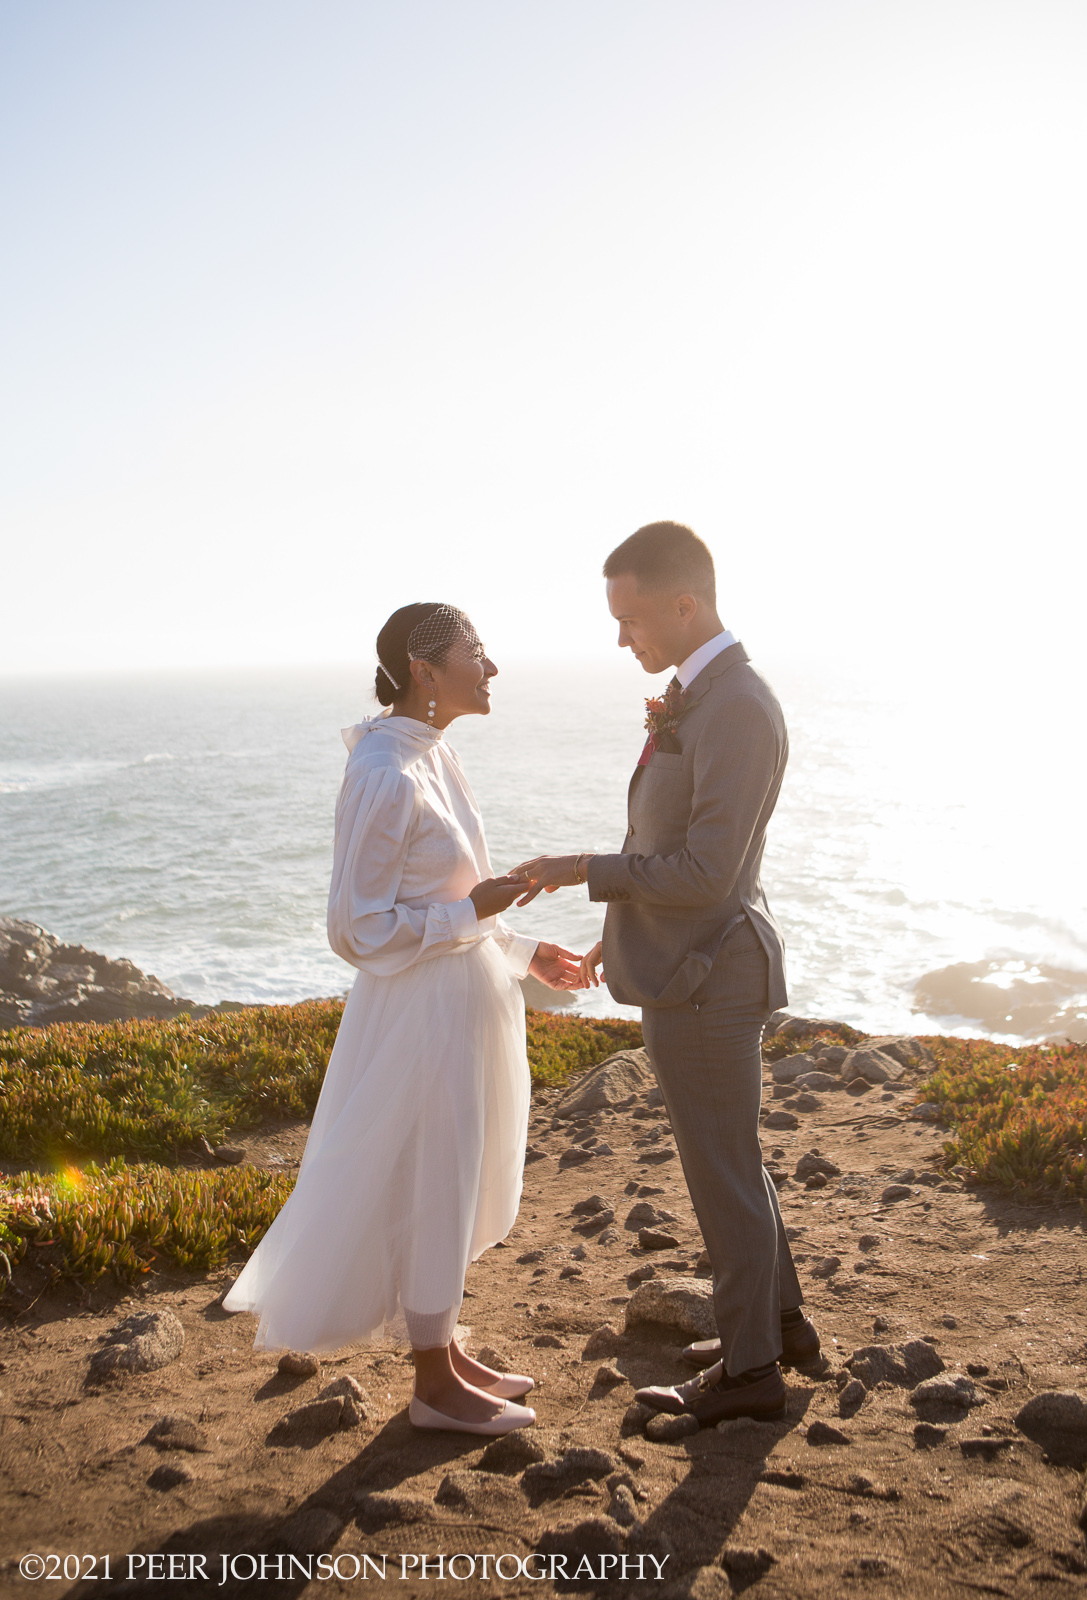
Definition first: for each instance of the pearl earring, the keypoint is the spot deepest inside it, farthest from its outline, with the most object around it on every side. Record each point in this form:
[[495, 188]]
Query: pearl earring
[[430, 714]]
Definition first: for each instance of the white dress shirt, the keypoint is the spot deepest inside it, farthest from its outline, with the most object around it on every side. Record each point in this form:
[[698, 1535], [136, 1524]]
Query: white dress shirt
[[688, 670]]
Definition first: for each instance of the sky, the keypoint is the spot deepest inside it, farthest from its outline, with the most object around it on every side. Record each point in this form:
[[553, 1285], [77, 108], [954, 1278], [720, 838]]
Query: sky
[[307, 311]]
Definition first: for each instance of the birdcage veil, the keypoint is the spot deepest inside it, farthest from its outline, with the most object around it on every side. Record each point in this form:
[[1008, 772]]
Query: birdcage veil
[[446, 630]]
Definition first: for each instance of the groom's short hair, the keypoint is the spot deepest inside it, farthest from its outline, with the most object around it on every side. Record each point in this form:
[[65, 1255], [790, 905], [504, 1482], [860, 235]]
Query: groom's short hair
[[665, 555]]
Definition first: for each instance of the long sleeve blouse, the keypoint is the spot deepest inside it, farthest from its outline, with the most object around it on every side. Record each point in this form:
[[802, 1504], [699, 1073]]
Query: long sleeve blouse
[[409, 849]]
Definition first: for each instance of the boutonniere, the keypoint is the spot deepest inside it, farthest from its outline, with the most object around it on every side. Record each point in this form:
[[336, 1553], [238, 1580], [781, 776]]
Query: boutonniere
[[662, 716]]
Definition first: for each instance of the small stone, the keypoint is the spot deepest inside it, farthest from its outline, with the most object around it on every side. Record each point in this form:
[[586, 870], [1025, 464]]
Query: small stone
[[868, 1241], [653, 1239], [927, 1111], [298, 1364], [781, 1119], [859, 1087], [140, 1343], [610, 1235], [529, 1257], [977, 1369], [635, 1417], [548, 1341], [571, 1272], [664, 1428], [902, 1364], [949, 1321], [927, 1435], [393, 1505], [894, 1192], [579, 1253], [511, 1454], [606, 1341], [851, 1397], [827, 1267], [534, 1153], [490, 1357], [455, 1490], [622, 1508], [908, 1176], [746, 1563], [987, 1446], [593, 1224], [595, 1537], [1056, 1419], [176, 1433], [683, 1303], [818, 1080], [354, 1399], [817, 1181], [642, 1274], [805, 1102], [644, 1215], [320, 1417], [231, 1155], [958, 1392], [591, 1206], [823, 1433], [574, 1465], [165, 1477], [608, 1377], [881, 1324]]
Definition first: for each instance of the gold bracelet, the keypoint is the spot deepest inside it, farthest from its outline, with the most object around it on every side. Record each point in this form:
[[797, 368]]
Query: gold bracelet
[[577, 864]]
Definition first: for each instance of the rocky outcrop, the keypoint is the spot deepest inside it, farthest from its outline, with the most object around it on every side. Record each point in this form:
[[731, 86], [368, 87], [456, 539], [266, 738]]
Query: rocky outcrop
[[43, 980]]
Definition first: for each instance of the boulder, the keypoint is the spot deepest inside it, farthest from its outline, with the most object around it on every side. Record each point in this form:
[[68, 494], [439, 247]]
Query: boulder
[[874, 1066], [817, 1080], [907, 1051], [140, 1343], [610, 1083], [905, 1365], [1056, 1419], [789, 1068], [674, 1302], [43, 980]]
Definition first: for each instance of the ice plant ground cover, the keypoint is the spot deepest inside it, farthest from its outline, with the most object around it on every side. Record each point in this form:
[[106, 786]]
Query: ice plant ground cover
[[104, 1115]]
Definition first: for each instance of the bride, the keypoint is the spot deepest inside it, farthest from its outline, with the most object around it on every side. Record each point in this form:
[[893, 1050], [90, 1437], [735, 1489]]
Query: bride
[[414, 1161]]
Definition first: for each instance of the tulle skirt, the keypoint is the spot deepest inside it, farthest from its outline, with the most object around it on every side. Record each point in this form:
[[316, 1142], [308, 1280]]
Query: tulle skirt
[[413, 1166]]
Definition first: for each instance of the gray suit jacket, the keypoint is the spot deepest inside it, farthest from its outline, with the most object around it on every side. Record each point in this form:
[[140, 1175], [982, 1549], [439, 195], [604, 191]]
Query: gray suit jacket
[[689, 867]]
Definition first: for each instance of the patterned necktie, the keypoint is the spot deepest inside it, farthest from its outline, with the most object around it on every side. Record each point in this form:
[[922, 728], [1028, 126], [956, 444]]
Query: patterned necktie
[[651, 742]]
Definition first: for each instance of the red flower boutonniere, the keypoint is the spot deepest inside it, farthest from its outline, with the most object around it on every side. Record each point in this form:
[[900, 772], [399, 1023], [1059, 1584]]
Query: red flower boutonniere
[[662, 716]]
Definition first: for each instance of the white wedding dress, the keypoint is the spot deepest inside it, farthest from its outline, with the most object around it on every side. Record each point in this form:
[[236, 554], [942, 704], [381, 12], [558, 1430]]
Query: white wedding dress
[[414, 1162]]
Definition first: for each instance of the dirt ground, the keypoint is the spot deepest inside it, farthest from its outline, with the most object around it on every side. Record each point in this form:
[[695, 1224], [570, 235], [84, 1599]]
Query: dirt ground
[[973, 1508]]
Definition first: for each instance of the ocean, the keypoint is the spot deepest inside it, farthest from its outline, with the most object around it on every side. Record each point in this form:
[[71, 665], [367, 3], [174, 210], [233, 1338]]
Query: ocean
[[927, 878]]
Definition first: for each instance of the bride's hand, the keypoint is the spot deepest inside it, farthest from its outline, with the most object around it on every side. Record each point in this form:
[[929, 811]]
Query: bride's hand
[[494, 895], [558, 968], [589, 963]]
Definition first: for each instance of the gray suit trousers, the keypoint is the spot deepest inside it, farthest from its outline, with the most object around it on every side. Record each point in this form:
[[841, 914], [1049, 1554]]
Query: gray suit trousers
[[707, 1059]]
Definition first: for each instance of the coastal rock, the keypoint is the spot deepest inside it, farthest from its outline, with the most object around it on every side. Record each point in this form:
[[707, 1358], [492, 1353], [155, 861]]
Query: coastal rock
[[614, 1081], [820, 1432], [604, 1341], [43, 980], [874, 1066], [683, 1303], [141, 1343], [351, 1392], [792, 1067], [573, 1466], [1056, 1419], [317, 1419], [852, 1397], [907, 1051], [904, 1365], [644, 1215], [510, 1454], [938, 1394]]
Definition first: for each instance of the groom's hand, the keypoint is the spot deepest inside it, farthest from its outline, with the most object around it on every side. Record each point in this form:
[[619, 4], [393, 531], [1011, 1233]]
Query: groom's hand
[[551, 873]]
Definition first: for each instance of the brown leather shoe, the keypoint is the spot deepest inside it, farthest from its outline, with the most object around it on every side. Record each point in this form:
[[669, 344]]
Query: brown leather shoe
[[712, 1397], [799, 1345]]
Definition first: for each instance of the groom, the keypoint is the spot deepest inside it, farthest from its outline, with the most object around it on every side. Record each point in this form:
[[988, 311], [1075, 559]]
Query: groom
[[689, 937]]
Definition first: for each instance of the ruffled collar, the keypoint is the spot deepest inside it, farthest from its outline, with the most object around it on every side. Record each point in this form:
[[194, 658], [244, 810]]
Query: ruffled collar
[[417, 734]]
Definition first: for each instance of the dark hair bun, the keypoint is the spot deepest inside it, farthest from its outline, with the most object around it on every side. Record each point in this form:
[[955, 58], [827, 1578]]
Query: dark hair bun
[[392, 648]]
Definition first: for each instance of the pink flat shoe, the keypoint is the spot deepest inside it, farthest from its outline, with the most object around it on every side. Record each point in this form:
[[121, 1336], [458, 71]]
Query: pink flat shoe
[[511, 1386], [420, 1415]]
